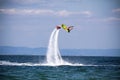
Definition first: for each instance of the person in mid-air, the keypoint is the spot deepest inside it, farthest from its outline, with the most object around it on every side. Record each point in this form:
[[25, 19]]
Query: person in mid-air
[[68, 29]]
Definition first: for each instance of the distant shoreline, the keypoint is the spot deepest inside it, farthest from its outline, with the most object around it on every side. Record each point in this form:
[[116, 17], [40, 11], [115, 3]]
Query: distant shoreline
[[62, 55], [8, 50]]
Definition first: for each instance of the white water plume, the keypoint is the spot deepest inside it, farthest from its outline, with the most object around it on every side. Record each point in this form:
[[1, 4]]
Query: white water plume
[[53, 54]]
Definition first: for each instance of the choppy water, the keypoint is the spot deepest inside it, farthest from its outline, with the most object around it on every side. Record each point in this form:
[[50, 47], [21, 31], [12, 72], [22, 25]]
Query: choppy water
[[81, 68]]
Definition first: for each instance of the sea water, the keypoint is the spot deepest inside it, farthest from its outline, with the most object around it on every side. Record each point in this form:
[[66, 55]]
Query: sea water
[[13, 67]]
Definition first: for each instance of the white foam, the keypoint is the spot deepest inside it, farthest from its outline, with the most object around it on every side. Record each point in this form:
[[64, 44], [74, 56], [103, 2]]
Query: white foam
[[8, 63], [35, 64]]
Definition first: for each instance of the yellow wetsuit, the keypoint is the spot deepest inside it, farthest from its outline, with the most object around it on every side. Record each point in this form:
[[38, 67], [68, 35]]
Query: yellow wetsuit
[[64, 27]]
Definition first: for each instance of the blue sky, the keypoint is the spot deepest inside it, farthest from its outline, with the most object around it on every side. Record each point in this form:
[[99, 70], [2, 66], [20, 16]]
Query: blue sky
[[29, 23]]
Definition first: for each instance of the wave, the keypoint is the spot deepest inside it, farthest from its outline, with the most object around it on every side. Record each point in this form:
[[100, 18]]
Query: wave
[[8, 63]]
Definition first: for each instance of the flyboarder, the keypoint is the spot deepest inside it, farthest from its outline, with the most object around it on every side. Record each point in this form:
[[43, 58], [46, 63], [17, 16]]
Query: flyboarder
[[68, 29]]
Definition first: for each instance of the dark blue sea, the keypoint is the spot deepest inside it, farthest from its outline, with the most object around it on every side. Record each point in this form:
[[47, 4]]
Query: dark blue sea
[[22, 67]]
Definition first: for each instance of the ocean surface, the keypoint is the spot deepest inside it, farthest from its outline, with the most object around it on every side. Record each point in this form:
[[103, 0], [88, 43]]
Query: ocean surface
[[21, 67]]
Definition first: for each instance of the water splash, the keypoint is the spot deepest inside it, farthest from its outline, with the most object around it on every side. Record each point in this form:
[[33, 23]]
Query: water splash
[[53, 54], [41, 64]]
